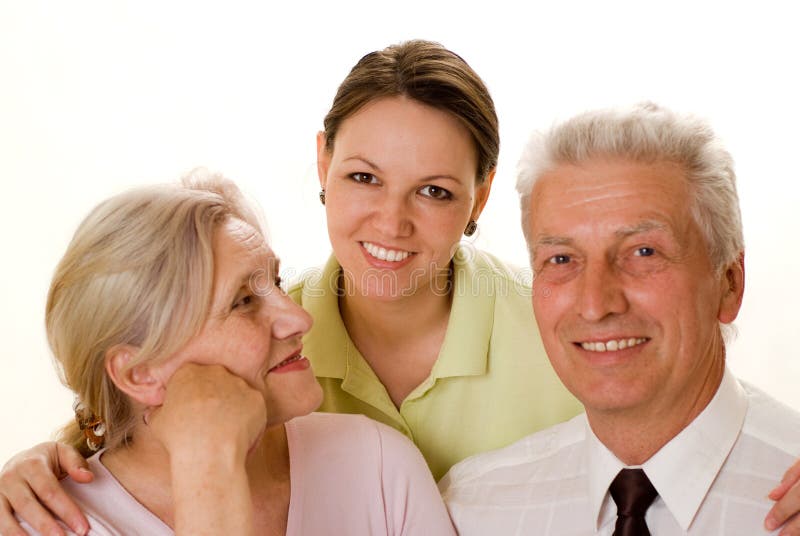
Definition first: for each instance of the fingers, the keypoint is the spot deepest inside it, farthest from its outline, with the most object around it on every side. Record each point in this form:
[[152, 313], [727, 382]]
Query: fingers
[[790, 478], [49, 491], [30, 488], [784, 509], [8, 523], [792, 528], [69, 461], [28, 508]]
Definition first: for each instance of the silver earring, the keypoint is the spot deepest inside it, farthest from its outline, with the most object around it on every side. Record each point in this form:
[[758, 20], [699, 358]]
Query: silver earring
[[322, 196], [472, 226]]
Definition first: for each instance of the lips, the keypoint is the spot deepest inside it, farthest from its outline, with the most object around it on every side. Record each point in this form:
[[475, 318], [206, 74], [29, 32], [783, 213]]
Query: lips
[[386, 254], [293, 358], [612, 345]]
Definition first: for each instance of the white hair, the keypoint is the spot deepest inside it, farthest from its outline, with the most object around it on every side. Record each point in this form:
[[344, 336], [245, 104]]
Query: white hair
[[647, 133], [138, 271]]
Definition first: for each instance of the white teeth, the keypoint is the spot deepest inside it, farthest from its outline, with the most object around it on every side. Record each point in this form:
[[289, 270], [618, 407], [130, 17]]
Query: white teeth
[[384, 254], [612, 346], [288, 360]]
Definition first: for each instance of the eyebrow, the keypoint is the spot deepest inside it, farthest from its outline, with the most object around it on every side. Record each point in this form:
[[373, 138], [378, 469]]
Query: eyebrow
[[624, 232], [376, 167], [273, 265], [642, 227], [371, 164]]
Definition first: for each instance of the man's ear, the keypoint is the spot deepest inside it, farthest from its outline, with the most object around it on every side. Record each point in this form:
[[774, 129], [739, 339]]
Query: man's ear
[[482, 194], [323, 159], [140, 381], [732, 281]]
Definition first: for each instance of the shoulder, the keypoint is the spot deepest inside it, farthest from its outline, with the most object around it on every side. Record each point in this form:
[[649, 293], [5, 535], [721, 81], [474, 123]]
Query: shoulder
[[771, 422], [528, 460], [353, 432], [323, 440], [109, 507], [478, 273]]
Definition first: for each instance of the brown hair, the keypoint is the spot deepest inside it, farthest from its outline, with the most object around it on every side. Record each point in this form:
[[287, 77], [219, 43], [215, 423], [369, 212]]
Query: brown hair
[[429, 73], [139, 271]]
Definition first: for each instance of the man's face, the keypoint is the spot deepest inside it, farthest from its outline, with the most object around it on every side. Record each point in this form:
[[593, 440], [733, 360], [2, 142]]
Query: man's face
[[625, 295]]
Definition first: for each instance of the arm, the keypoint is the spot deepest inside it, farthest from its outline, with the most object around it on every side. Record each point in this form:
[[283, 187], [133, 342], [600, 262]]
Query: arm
[[208, 423], [787, 495], [29, 486]]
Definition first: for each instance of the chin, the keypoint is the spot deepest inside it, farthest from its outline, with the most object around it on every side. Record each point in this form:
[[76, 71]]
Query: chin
[[296, 398], [609, 397]]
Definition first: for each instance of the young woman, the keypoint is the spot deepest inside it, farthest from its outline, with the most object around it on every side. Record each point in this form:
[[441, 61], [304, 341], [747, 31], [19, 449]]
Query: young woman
[[160, 281]]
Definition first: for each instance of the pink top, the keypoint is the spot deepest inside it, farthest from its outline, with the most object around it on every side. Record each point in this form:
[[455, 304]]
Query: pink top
[[349, 475]]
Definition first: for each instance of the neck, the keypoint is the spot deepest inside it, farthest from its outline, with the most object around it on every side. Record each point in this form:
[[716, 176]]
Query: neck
[[400, 339], [635, 434], [394, 319]]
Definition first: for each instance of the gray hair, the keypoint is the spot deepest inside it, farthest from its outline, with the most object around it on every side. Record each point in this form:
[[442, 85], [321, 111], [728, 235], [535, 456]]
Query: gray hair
[[647, 133], [139, 271]]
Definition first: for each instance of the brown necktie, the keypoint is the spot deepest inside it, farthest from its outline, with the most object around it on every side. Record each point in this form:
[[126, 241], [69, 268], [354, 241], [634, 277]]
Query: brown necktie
[[633, 493]]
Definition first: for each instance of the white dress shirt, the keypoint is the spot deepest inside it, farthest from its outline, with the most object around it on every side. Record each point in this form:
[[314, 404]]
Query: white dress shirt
[[712, 478]]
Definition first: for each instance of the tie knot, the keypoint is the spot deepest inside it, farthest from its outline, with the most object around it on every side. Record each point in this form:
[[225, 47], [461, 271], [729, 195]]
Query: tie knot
[[633, 492]]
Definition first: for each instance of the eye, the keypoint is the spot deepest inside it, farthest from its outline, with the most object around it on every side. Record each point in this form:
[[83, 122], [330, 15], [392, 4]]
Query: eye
[[644, 252], [435, 192], [364, 178], [244, 301], [559, 259]]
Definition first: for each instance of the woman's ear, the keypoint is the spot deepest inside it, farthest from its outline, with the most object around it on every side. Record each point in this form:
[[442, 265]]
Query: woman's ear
[[323, 159], [732, 290], [482, 194], [140, 381]]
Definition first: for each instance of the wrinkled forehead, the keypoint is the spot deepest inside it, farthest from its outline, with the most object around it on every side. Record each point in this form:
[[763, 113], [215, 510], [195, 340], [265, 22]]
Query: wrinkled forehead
[[240, 253], [602, 189], [249, 239]]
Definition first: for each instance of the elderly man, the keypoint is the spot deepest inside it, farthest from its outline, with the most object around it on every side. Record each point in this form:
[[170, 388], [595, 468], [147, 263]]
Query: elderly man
[[633, 226]]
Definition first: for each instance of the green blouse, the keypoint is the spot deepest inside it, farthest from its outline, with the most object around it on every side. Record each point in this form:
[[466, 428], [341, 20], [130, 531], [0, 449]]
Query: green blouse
[[491, 384]]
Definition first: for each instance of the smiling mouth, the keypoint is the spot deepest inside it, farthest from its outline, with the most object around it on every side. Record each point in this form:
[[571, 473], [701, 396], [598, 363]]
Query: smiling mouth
[[383, 254], [612, 345], [296, 357]]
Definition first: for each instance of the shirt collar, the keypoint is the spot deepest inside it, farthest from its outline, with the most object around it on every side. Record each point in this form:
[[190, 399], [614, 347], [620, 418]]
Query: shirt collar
[[682, 470], [603, 467], [465, 347]]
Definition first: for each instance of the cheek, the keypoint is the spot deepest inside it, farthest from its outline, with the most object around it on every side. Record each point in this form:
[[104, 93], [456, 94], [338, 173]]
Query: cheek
[[344, 216], [241, 349], [546, 318], [551, 301]]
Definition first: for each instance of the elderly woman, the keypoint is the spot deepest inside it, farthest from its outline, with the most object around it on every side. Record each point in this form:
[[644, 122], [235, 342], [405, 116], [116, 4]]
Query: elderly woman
[[168, 322]]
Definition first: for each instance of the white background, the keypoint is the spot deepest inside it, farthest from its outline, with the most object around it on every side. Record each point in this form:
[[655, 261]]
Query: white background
[[97, 96]]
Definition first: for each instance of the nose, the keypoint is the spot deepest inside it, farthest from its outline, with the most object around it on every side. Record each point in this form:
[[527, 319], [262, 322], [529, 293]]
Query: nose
[[288, 318], [601, 291], [392, 217]]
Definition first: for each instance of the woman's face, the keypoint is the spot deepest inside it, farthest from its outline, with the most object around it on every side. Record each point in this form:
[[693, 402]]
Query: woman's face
[[400, 189], [254, 329]]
